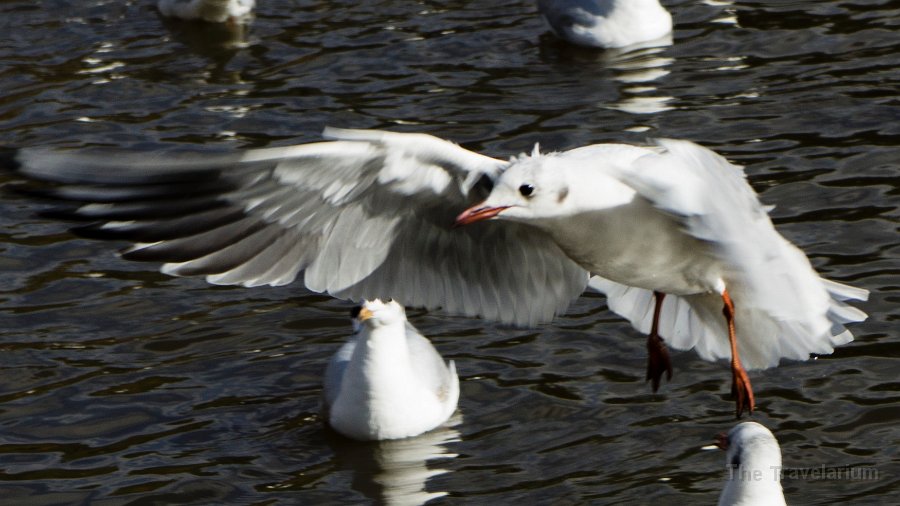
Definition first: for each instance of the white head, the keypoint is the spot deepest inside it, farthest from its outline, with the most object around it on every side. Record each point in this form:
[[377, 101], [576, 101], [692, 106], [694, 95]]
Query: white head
[[375, 314], [555, 185], [753, 462], [531, 188]]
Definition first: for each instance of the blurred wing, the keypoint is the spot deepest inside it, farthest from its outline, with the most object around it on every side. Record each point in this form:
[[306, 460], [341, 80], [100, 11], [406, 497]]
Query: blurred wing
[[367, 216]]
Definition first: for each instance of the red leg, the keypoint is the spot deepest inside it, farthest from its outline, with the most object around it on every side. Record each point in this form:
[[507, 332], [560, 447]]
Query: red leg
[[740, 382], [657, 355]]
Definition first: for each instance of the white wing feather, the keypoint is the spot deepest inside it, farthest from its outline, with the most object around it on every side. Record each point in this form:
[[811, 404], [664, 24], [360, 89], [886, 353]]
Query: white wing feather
[[367, 216], [784, 308]]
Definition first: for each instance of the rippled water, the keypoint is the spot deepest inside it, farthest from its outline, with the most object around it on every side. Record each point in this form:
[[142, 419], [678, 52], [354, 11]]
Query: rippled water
[[119, 385]]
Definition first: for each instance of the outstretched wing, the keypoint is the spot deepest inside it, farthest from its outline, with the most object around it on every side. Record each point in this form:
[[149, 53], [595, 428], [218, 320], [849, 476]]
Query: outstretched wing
[[366, 216]]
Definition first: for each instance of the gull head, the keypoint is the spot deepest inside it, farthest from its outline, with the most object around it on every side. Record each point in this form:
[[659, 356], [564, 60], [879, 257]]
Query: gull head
[[375, 313], [532, 188], [753, 460], [746, 440]]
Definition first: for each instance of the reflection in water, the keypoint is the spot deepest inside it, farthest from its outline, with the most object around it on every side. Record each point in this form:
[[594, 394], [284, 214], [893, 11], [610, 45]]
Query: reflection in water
[[98, 63], [395, 472], [640, 66], [219, 43], [637, 104], [729, 14], [653, 46], [204, 37]]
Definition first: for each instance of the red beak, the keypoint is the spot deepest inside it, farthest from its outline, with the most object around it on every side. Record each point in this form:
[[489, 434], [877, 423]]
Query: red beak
[[477, 213]]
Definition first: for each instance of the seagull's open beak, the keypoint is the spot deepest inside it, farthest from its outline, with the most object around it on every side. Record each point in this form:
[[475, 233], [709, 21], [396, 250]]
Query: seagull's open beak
[[364, 314], [478, 212]]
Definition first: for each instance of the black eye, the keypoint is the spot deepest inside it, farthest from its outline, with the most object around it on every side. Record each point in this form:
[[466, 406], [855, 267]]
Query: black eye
[[526, 190]]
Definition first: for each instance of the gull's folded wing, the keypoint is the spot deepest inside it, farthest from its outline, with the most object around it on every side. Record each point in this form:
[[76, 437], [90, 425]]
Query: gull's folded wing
[[784, 308]]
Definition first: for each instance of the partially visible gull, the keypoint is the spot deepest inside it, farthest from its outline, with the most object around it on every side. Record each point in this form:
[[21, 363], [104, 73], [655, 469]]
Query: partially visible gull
[[673, 234], [213, 11], [753, 463], [607, 23], [388, 381]]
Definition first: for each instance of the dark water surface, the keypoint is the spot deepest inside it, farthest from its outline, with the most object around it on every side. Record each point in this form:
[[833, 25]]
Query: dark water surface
[[119, 385]]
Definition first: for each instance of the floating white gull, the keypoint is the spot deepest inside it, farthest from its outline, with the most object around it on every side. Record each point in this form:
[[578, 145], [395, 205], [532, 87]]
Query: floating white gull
[[753, 462], [607, 23], [381, 214], [213, 11], [388, 381]]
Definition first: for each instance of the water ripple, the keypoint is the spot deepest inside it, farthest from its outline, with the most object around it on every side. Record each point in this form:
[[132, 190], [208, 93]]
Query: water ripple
[[122, 385]]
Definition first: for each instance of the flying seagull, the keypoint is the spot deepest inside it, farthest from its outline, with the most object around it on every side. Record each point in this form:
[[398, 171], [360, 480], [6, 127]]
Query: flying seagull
[[672, 233]]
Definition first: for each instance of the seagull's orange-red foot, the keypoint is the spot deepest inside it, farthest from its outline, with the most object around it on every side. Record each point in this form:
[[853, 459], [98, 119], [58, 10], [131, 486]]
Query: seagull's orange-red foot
[[658, 361], [741, 390]]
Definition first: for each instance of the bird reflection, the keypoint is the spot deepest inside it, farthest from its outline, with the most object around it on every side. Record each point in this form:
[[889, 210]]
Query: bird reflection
[[729, 13], [639, 70], [210, 38], [218, 43], [396, 472]]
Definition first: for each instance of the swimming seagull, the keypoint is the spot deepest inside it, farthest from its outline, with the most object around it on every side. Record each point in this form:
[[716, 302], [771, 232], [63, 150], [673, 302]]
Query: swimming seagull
[[753, 460], [388, 381], [673, 234], [213, 11], [607, 23]]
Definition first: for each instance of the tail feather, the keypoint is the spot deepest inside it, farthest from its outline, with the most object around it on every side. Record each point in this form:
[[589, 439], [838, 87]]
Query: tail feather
[[692, 322], [842, 292], [696, 322], [839, 312]]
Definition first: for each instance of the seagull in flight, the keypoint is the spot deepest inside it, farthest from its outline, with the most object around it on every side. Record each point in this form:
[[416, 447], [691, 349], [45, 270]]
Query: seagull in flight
[[672, 233]]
